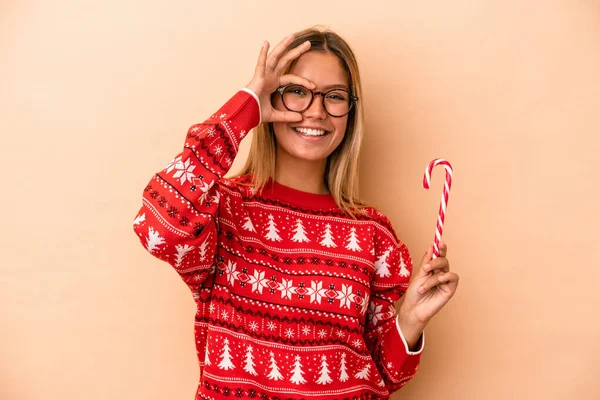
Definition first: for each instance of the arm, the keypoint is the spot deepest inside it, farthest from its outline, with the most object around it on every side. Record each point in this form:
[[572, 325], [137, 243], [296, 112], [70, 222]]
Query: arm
[[177, 221], [396, 355]]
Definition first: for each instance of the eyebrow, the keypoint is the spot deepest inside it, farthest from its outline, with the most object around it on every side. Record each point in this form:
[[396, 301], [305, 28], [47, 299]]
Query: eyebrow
[[338, 86]]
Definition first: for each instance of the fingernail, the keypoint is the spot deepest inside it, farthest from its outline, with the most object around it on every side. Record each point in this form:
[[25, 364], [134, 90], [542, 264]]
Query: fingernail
[[427, 267], [421, 290]]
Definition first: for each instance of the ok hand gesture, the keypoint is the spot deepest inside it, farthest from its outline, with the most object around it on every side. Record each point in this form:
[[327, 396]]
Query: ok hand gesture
[[268, 77]]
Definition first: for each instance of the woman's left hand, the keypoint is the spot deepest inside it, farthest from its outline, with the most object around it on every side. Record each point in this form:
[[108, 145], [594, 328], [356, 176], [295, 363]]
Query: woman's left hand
[[430, 289]]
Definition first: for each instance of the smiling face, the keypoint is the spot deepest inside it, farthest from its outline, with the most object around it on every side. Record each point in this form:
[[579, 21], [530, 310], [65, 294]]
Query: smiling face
[[318, 134]]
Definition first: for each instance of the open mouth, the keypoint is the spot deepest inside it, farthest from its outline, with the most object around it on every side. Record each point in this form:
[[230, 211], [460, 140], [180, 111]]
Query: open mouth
[[310, 132]]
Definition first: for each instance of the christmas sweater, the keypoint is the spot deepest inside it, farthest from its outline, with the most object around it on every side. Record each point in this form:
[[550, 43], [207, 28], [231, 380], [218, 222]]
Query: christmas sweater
[[295, 299]]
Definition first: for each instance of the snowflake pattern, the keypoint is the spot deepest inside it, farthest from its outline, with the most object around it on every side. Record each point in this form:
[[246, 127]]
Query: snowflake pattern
[[271, 326], [316, 292], [184, 171]]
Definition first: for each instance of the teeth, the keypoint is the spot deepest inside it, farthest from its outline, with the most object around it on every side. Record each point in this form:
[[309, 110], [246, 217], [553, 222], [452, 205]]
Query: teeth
[[310, 132]]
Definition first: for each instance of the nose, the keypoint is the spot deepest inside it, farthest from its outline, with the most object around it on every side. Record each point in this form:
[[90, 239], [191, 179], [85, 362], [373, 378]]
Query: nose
[[317, 108]]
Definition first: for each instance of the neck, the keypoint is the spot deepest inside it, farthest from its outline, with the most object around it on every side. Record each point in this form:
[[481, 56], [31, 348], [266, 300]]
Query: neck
[[303, 175]]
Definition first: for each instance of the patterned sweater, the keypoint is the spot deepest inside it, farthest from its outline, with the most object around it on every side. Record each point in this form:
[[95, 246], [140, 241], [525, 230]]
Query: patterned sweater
[[295, 300]]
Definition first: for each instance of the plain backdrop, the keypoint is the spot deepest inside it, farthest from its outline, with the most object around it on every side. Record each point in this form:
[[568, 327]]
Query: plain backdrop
[[96, 96]]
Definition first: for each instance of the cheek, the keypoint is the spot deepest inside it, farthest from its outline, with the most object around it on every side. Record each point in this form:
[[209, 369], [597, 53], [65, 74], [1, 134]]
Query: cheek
[[340, 128], [280, 130]]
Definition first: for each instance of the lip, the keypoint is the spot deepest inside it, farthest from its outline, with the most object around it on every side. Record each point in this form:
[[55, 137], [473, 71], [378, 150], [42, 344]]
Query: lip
[[320, 128], [310, 138]]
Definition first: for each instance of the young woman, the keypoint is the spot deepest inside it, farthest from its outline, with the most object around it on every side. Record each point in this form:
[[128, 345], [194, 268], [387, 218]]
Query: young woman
[[294, 278]]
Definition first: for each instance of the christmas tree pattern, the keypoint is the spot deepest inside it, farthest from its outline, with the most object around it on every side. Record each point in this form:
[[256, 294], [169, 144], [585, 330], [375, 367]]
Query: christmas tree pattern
[[297, 372], [363, 373], [153, 240], [206, 358], [272, 230], [139, 219], [205, 188], [228, 205], [182, 250], [249, 363], [300, 233], [382, 268], [203, 247], [248, 225], [328, 237], [226, 363], [404, 272], [353, 241], [343, 372], [274, 374], [324, 377]]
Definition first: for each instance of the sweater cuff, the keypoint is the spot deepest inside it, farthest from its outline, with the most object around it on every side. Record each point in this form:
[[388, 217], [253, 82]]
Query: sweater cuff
[[421, 341], [257, 102]]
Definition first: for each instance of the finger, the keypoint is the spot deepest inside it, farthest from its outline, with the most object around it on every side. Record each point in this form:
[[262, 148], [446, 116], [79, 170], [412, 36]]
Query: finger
[[449, 282], [425, 261], [437, 264], [427, 256], [262, 58], [295, 79], [443, 249], [285, 116], [278, 50], [292, 55], [432, 281], [448, 278]]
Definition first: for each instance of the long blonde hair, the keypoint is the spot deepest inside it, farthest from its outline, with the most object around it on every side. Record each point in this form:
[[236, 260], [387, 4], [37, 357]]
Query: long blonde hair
[[341, 174]]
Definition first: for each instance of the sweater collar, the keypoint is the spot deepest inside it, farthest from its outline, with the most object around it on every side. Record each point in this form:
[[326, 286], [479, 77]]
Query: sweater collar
[[276, 191]]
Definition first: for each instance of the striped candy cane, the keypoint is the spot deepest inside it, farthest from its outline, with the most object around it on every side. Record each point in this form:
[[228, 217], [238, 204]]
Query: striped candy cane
[[444, 203]]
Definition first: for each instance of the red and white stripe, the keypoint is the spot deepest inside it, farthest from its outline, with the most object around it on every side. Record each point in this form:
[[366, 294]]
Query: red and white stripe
[[444, 203]]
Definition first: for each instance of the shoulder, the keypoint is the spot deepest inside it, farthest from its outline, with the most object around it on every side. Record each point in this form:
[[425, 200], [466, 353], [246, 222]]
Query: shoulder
[[378, 218], [386, 241], [240, 184]]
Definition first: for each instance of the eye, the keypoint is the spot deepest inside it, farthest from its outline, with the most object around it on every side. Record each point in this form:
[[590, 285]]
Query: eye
[[337, 96], [297, 90]]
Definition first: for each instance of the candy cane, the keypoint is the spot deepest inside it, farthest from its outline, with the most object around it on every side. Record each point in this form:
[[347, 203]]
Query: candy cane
[[444, 203]]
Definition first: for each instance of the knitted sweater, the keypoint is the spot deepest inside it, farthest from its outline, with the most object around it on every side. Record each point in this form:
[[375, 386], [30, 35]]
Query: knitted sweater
[[295, 299]]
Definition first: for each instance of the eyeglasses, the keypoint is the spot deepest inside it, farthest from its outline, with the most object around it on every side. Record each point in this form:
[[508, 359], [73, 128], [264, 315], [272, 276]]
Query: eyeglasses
[[337, 102]]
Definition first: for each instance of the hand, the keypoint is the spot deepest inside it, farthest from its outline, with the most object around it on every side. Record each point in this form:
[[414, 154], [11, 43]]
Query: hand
[[430, 289], [267, 78]]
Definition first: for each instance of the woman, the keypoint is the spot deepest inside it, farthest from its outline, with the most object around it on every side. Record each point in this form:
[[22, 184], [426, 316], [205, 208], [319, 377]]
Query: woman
[[294, 278]]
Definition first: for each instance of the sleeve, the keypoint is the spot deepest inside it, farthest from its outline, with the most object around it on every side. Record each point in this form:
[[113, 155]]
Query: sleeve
[[396, 363], [177, 222]]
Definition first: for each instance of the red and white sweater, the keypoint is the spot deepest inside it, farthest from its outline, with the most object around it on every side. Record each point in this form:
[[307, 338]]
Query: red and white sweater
[[295, 300]]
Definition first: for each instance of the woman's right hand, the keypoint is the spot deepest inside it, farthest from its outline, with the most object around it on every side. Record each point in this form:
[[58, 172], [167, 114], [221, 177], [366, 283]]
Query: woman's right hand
[[268, 78]]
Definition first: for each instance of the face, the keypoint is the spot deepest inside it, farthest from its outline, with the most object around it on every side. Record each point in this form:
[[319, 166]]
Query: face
[[305, 140]]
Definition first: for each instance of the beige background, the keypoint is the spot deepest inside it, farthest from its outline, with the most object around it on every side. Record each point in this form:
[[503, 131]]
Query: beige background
[[97, 96]]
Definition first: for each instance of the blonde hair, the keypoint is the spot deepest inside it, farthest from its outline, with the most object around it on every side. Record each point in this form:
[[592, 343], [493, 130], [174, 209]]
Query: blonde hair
[[341, 174]]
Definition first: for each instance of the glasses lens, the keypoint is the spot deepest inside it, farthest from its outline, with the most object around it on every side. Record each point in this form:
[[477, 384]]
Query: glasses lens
[[296, 98], [337, 102]]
